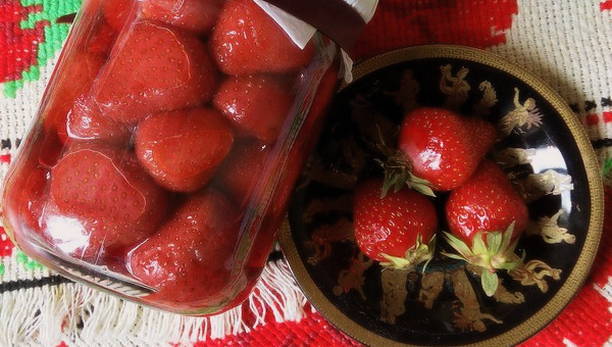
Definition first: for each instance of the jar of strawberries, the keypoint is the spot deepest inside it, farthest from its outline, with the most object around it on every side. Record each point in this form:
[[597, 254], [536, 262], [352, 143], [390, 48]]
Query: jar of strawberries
[[168, 141]]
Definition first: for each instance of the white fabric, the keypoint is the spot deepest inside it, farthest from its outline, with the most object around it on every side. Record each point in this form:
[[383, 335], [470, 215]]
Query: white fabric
[[567, 43]]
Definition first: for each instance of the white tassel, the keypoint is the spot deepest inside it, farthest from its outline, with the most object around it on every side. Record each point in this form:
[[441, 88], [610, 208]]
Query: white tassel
[[22, 320], [82, 316]]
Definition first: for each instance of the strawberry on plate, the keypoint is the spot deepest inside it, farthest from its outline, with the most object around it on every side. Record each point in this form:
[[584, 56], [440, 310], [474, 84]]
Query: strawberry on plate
[[438, 149], [242, 169], [398, 229], [257, 105], [153, 69], [189, 260], [100, 198], [486, 217], [194, 15], [247, 41], [182, 149]]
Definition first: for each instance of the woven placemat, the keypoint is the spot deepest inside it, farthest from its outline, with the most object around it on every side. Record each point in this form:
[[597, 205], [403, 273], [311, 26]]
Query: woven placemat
[[567, 43]]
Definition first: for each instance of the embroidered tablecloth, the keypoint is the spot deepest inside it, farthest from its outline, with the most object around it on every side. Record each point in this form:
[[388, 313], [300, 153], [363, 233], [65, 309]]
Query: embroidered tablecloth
[[567, 43]]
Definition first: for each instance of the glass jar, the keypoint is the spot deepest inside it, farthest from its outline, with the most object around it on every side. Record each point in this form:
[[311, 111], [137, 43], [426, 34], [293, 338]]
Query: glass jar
[[166, 147]]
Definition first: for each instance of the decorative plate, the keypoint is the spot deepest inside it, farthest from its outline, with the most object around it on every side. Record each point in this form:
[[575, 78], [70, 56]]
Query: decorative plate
[[545, 153]]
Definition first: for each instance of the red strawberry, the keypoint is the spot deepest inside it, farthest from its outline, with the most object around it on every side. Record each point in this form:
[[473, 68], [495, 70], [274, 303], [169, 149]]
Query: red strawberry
[[102, 39], [246, 41], [242, 169], [31, 195], [100, 198], [300, 150], [25, 190], [486, 216], [291, 171], [154, 69], [257, 105], [194, 15], [441, 147], [276, 213], [320, 102], [298, 154], [398, 229], [182, 149], [190, 259], [75, 78], [486, 202], [117, 12], [85, 122], [49, 149]]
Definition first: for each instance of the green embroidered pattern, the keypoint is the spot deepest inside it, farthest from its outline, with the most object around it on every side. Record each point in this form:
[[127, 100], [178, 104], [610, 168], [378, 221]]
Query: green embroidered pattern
[[52, 40], [27, 263]]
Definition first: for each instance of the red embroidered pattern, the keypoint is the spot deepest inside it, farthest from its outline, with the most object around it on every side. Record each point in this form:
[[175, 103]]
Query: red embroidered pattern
[[18, 46], [6, 246], [473, 23]]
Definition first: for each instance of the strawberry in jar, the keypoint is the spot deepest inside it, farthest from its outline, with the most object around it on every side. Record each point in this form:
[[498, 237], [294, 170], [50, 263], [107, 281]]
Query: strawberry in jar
[[167, 145]]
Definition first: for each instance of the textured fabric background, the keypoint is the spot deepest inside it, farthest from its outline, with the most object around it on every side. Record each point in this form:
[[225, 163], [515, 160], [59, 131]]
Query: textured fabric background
[[567, 43]]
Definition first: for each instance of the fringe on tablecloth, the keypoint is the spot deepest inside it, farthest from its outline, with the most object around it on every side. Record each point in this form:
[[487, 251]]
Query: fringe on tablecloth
[[50, 314]]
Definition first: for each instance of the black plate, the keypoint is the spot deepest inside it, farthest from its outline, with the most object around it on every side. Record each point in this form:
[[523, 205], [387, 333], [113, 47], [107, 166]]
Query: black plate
[[545, 152]]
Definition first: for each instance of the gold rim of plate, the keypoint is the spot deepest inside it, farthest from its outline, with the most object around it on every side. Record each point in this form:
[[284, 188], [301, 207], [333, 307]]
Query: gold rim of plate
[[579, 273]]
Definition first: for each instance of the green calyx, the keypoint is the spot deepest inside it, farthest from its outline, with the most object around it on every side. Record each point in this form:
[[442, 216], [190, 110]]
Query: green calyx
[[496, 254], [419, 253], [398, 175], [398, 171]]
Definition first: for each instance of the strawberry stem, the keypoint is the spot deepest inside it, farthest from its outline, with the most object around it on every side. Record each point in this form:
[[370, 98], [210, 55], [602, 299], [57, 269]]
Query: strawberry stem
[[498, 253], [417, 254], [398, 171]]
